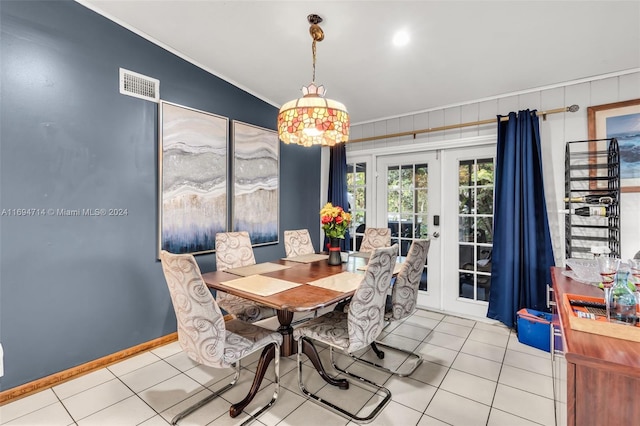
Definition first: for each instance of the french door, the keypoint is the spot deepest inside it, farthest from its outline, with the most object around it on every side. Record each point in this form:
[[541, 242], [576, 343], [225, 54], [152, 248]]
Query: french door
[[408, 194], [445, 196], [468, 244]]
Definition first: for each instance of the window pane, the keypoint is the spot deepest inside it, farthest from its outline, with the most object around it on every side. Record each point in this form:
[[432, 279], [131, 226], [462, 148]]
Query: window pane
[[466, 286], [484, 286], [484, 259], [466, 202], [422, 200], [360, 201], [485, 200], [485, 229], [393, 198], [422, 176], [407, 201], [407, 177], [466, 257], [422, 227], [393, 225], [406, 228], [393, 178], [465, 172], [361, 175], [465, 230], [357, 219], [485, 171], [404, 247]]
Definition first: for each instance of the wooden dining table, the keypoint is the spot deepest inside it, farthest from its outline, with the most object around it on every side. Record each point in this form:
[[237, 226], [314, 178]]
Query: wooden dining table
[[302, 298]]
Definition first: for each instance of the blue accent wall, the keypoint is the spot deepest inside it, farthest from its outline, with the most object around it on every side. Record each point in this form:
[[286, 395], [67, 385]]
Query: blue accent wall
[[77, 288]]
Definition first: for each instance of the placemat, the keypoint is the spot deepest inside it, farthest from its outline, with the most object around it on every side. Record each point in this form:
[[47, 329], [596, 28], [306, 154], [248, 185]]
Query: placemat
[[343, 282], [396, 269], [307, 258], [257, 269], [364, 254], [260, 285]]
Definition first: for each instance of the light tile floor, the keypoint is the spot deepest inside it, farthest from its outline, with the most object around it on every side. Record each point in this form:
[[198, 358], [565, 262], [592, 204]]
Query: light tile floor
[[473, 373]]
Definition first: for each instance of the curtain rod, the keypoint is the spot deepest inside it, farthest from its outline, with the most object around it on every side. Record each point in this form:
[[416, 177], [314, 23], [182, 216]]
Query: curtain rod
[[572, 108]]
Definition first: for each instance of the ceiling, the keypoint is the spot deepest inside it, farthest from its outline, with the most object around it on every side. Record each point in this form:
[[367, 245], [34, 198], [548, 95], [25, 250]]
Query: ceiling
[[459, 51]]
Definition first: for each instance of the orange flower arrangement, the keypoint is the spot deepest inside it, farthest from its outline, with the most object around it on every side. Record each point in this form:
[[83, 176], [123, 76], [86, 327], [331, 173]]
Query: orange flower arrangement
[[335, 221]]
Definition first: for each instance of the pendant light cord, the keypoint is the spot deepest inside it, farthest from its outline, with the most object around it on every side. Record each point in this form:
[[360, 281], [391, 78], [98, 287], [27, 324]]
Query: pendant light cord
[[313, 50], [317, 35]]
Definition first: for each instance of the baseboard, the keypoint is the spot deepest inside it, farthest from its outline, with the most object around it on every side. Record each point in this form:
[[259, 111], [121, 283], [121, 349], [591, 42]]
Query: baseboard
[[55, 379]]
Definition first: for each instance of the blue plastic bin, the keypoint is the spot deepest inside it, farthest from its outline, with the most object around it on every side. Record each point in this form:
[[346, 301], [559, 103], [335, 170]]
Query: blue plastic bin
[[534, 329]]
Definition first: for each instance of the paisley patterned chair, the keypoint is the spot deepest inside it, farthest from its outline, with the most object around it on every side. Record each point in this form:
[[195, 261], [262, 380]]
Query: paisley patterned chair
[[204, 334], [375, 238], [404, 295], [298, 242], [355, 329], [233, 250]]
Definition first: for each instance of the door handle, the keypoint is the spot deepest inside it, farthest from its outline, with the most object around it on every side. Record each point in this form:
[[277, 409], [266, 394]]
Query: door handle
[[435, 234]]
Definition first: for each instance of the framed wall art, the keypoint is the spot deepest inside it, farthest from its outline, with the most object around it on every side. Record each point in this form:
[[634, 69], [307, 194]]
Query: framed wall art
[[620, 120], [256, 182], [193, 178]]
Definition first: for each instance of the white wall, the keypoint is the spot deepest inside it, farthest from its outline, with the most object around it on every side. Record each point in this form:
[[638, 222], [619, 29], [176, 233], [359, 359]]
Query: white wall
[[555, 131]]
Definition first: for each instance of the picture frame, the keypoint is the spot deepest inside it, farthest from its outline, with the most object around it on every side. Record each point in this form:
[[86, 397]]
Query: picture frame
[[256, 182], [622, 121], [193, 178]]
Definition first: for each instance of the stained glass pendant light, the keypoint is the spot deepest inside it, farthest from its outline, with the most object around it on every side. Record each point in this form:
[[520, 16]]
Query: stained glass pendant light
[[313, 119]]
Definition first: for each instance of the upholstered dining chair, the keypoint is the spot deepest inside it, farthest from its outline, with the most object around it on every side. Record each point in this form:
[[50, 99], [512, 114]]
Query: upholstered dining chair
[[355, 329], [203, 333], [404, 296], [375, 238], [298, 242], [233, 250]]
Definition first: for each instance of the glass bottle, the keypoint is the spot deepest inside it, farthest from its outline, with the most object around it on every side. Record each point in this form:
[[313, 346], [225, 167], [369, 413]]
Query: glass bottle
[[622, 299], [634, 266], [601, 211], [591, 199]]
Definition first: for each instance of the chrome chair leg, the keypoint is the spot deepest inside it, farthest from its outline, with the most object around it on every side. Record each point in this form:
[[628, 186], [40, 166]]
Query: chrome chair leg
[[375, 346], [181, 415], [339, 410], [417, 360]]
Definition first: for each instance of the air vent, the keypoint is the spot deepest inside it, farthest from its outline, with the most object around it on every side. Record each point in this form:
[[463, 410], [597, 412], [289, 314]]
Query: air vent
[[139, 86]]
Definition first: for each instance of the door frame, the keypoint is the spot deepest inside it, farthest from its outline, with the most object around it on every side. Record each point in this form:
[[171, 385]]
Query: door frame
[[369, 154]]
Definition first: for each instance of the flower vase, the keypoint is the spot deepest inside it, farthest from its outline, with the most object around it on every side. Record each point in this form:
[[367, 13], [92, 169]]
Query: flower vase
[[334, 252]]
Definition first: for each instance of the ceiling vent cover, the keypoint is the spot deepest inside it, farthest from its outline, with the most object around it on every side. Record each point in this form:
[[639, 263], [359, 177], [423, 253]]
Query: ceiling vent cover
[[139, 86]]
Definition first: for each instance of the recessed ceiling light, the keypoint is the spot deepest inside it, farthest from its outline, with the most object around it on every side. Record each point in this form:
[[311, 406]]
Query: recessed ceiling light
[[401, 38]]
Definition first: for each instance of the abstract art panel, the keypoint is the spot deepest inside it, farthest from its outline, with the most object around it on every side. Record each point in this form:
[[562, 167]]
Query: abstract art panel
[[256, 182], [193, 178]]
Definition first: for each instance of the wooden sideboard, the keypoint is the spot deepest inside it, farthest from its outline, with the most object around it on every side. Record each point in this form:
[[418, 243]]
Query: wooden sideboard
[[602, 373]]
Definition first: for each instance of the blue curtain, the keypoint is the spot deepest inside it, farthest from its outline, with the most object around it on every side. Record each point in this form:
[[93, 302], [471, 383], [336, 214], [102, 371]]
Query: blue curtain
[[522, 253], [338, 184]]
